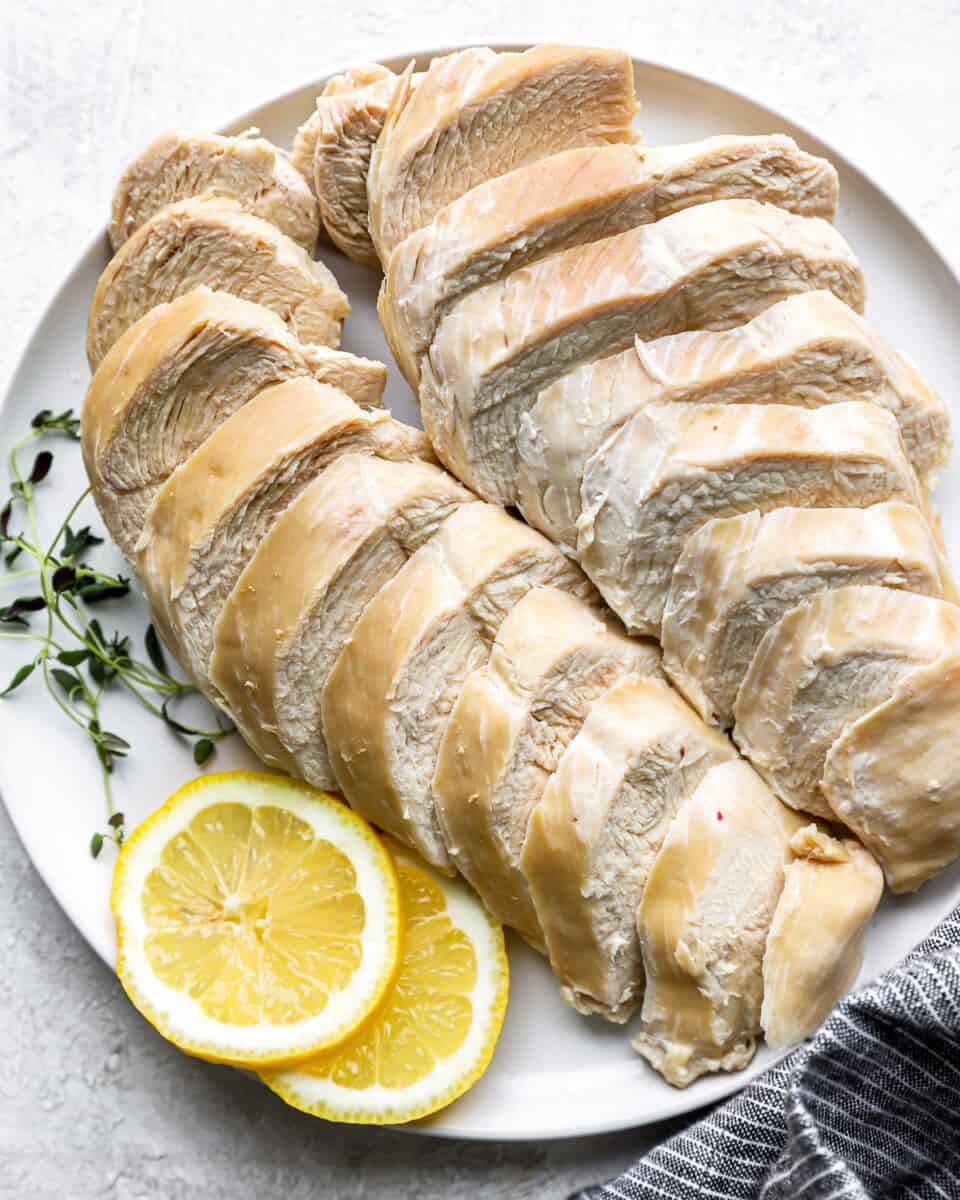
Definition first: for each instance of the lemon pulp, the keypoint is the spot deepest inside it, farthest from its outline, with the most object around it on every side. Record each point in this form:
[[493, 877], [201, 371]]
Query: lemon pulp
[[253, 916]]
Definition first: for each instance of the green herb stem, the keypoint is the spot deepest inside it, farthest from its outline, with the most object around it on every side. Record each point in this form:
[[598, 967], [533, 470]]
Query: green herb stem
[[78, 661]]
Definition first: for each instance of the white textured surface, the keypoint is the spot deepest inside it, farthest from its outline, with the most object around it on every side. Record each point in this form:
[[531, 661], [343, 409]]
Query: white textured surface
[[92, 1103]]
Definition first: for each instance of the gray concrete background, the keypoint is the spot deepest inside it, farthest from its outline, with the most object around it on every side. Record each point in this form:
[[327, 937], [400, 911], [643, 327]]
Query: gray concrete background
[[92, 1103]]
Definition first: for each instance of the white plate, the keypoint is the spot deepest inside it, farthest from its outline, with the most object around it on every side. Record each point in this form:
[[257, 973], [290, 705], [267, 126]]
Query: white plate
[[555, 1074]]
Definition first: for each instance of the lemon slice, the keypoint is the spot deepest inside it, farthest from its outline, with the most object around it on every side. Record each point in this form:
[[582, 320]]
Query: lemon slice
[[435, 1033], [258, 919]]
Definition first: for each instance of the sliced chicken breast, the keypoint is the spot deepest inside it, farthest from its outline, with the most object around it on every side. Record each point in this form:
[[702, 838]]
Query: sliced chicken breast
[[893, 777], [576, 197], [815, 945], [674, 467], [301, 594], [387, 701], [212, 513], [708, 904], [349, 121], [737, 577], [824, 665], [174, 376], [343, 87], [213, 241], [594, 836], [358, 76], [553, 656], [711, 267], [249, 169], [809, 350], [476, 114]]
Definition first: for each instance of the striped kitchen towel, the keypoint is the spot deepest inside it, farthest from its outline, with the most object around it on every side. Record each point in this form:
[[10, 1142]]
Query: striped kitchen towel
[[868, 1108]]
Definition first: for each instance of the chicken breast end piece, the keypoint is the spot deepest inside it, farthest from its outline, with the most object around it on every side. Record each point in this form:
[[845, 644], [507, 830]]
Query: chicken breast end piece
[[891, 776], [815, 945], [349, 122]]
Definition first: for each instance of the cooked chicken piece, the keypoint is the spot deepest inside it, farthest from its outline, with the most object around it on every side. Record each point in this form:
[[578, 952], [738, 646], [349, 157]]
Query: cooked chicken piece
[[396, 681], [475, 114], [212, 513], [212, 240], [552, 658], [247, 168], [593, 837], [815, 945], [825, 664], [738, 576], [893, 775], [809, 350], [711, 267], [767, 167], [703, 920], [171, 379], [573, 198], [674, 467], [353, 81], [348, 123], [297, 602], [359, 76]]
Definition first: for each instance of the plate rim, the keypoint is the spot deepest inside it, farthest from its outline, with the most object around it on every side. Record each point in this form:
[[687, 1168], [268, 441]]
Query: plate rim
[[678, 1104]]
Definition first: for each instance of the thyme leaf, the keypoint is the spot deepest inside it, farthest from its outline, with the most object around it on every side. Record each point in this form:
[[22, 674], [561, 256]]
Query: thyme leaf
[[21, 677], [154, 649]]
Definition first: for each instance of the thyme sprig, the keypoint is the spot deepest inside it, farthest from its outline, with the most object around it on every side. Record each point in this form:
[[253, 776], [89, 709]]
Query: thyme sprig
[[76, 658]]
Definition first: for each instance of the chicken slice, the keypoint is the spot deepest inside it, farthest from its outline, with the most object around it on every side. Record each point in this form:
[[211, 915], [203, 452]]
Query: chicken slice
[[174, 376], [825, 664], [387, 700], [213, 241], [674, 467], [815, 945], [711, 267], [707, 906], [593, 837], [303, 591], [251, 170], [809, 350], [893, 777], [353, 81], [738, 576], [335, 146], [212, 513], [476, 114], [576, 197], [553, 656]]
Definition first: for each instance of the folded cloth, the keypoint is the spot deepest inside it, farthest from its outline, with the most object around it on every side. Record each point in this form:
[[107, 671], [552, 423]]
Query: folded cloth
[[869, 1108]]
